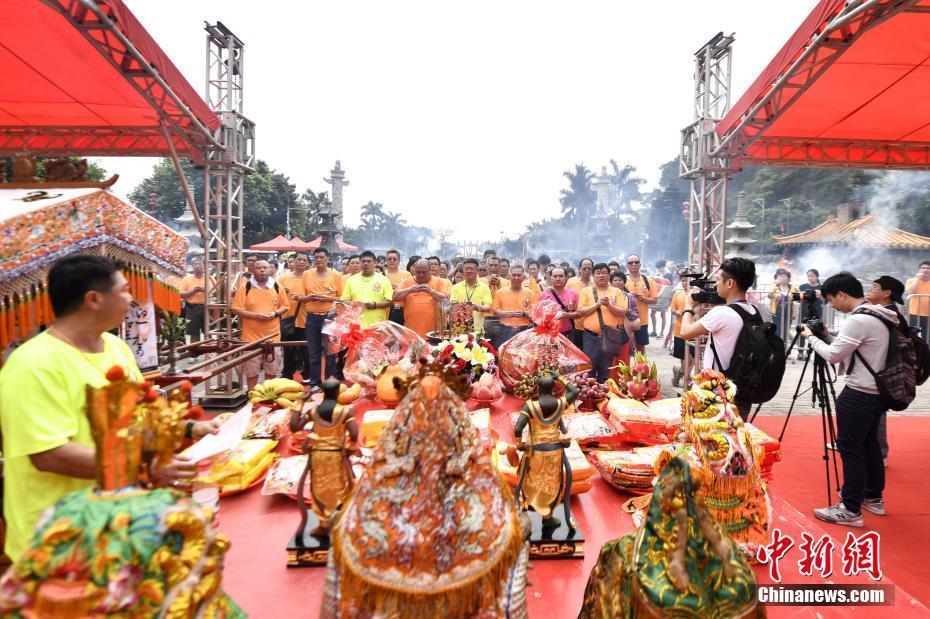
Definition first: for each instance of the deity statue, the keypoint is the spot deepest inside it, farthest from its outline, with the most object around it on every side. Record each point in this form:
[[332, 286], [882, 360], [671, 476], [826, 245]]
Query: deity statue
[[333, 437], [545, 477], [430, 531], [680, 563]]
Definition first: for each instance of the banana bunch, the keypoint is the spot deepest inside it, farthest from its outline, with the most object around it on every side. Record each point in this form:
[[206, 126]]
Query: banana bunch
[[282, 391]]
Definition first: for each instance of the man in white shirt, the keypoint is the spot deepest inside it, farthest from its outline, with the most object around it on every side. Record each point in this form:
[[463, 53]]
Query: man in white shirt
[[723, 323]]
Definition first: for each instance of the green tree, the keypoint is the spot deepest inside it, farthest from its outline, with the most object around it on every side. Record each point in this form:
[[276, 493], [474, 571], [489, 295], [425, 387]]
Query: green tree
[[372, 218], [578, 201], [666, 227], [268, 196]]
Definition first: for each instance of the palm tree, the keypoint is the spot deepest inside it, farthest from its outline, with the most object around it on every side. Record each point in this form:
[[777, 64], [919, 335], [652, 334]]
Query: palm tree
[[579, 199], [393, 226], [628, 185], [372, 218]]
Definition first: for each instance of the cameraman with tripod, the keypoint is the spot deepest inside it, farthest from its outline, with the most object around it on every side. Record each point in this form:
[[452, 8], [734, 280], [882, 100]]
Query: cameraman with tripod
[[859, 407]]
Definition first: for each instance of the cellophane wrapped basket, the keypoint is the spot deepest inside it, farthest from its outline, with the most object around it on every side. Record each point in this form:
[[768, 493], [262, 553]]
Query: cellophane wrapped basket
[[541, 347], [370, 351]]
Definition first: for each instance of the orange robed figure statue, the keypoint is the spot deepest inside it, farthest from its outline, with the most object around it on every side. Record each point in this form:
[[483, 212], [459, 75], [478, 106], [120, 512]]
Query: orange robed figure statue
[[332, 439], [545, 477]]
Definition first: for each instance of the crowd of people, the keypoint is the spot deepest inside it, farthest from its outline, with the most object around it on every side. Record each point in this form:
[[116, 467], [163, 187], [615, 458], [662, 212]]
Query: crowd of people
[[614, 301]]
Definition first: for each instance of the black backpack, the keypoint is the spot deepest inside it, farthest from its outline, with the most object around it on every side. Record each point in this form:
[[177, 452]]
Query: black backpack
[[758, 362], [897, 381]]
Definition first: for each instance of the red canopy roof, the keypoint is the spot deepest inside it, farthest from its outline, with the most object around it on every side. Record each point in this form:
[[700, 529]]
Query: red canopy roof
[[847, 89], [278, 243], [72, 82]]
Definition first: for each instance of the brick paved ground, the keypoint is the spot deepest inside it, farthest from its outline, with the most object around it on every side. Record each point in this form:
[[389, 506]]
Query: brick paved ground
[[780, 403]]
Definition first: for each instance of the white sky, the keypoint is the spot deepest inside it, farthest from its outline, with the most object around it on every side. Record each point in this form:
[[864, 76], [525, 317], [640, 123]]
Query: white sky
[[464, 115]]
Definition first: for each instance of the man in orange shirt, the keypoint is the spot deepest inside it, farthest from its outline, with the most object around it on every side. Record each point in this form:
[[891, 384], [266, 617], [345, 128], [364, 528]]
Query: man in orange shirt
[[295, 357], [512, 306], [435, 269], [495, 280], [918, 308], [395, 275], [421, 295], [353, 266], [645, 291], [322, 287], [192, 293], [611, 303], [260, 303], [677, 306]]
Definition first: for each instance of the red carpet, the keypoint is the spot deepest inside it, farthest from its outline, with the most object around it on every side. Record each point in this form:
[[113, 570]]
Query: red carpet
[[259, 526]]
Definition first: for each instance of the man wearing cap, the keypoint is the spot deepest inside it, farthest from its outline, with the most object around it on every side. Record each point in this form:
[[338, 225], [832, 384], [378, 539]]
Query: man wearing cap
[[889, 293]]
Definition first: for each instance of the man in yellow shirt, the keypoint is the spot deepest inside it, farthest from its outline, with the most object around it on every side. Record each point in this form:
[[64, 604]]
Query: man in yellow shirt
[[918, 308], [421, 295], [322, 287], [512, 305], [473, 292], [645, 292], [47, 446], [612, 305], [395, 275], [192, 289], [295, 357], [370, 288], [260, 303]]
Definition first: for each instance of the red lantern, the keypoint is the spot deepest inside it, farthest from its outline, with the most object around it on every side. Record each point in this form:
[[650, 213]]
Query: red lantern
[[153, 195], [153, 203]]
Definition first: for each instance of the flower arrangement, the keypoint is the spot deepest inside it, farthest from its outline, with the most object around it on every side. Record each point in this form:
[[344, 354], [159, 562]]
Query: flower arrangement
[[468, 355]]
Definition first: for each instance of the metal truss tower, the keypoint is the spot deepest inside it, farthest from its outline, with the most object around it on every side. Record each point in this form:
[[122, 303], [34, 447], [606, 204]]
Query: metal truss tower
[[709, 174], [224, 177]]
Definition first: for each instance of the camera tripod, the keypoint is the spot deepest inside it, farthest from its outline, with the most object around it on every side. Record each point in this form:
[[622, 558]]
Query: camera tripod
[[823, 396]]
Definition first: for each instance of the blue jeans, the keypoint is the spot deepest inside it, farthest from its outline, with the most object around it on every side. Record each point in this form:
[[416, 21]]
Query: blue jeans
[[314, 328], [858, 415]]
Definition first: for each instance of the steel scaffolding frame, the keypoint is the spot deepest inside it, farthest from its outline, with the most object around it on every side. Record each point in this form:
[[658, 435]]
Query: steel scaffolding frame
[[835, 153], [708, 172], [224, 178]]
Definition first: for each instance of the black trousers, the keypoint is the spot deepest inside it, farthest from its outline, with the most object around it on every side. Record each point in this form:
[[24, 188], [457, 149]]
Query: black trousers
[[858, 415], [295, 357]]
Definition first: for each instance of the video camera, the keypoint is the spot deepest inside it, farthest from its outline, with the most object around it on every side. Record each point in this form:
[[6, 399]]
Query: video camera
[[808, 296], [708, 286]]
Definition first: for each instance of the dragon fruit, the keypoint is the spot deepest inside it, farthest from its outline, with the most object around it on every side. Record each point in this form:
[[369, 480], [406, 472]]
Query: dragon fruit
[[639, 380]]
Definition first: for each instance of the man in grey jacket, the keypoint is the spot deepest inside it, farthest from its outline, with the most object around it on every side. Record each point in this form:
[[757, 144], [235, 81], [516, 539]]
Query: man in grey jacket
[[859, 407]]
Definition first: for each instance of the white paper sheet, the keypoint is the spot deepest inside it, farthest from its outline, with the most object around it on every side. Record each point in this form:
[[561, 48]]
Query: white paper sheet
[[228, 437]]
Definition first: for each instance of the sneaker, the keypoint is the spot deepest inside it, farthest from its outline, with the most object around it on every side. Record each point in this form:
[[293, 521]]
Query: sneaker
[[876, 506], [839, 515]]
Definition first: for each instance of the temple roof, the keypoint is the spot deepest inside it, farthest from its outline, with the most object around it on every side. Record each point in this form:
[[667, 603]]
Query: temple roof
[[868, 231]]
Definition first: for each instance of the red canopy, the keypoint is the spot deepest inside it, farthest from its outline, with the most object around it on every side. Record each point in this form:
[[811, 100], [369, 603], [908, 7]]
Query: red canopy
[[72, 82], [278, 243], [848, 88]]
